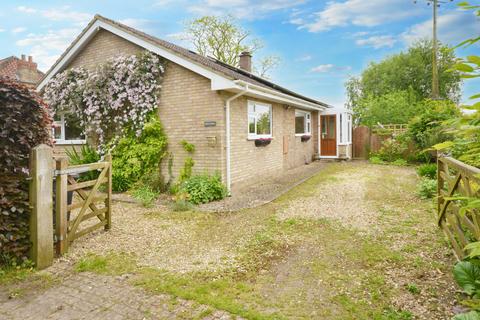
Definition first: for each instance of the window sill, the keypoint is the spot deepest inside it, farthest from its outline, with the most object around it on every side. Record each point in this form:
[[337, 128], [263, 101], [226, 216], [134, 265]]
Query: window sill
[[69, 142], [259, 137], [302, 134]]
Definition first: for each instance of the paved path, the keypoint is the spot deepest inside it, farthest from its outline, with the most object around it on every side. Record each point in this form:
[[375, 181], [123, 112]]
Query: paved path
[[91, 296]]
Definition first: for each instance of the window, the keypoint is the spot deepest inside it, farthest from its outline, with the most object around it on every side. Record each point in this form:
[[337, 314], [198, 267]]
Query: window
[[303, 123], [259, 120], [66, 130], [341, 128], [349, 128]]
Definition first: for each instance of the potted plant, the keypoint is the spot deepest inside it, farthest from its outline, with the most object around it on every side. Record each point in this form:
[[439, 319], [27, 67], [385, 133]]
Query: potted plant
[[305, 138], [262, 142]]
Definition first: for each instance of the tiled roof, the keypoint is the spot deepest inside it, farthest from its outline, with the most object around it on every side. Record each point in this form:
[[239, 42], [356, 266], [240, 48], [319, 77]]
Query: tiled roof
[[20, 70], [211, 63]]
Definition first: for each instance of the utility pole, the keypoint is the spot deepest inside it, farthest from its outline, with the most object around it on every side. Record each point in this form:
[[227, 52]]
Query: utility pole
[[435, 89], [435, 86]]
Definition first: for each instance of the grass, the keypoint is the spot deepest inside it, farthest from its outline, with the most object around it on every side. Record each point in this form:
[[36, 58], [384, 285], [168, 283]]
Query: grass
[[303, 268]]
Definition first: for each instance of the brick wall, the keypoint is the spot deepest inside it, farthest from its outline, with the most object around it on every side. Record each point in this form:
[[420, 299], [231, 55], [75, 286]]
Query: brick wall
[[186, 102], [103, 46], [250, 163]]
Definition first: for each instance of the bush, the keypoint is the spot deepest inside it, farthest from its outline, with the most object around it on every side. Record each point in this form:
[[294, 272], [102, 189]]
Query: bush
[[24, 123], [376, 160], [400, 162], [145, 195], [203, 188], [135, 157], [86, 155], [427, 188], [428, 170], [391, 150]]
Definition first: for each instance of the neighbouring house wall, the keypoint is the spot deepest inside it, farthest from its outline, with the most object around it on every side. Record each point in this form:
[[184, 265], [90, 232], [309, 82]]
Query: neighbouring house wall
[[250, 163], [60, 150], [186, 103]]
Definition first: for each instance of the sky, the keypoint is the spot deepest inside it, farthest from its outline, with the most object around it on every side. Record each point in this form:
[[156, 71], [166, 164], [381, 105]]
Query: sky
[[320, 43]]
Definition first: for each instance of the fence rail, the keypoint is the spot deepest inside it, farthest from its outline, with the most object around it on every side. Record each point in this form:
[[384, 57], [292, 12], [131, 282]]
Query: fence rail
[[457, 179]]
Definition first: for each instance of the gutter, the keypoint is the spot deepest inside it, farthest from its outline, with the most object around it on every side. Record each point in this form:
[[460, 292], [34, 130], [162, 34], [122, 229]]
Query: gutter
[[228, 135]]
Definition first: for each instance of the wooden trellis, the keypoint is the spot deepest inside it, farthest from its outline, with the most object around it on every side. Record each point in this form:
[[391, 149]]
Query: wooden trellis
[[457, 179]]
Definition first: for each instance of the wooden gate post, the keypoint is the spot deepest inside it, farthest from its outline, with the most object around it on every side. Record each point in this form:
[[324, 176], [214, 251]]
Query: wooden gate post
[[41, 202], [108, 201], [61, 206]]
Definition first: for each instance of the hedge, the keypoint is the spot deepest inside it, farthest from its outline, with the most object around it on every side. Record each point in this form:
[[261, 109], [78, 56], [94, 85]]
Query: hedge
[[24, 123]]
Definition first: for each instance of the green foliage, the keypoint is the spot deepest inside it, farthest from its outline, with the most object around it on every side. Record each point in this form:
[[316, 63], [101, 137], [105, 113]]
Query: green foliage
[[110, 264], [428, 170], [203, 188], [428, 128], [376, 160], [400, 162], [427, 188], [86, 155], [472, 315], [182, 205], [412, 288], [396, 107], [146, 195], [135, 157], [410, 70], [189, 147], [25, 122], [391, 150], [186, 171], [467, 276]]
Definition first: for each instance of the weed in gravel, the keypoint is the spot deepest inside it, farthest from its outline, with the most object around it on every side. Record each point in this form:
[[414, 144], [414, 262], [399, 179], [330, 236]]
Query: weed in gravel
[[412, 288], [110, 264]]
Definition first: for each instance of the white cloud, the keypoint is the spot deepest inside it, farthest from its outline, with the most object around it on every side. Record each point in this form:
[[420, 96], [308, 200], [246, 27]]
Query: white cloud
[[26, 9], [2, 30], [18, 30], [325, 68], [65, 14], [242, 9], [47, 47], [360, 13], [377, 42], [453, 28]]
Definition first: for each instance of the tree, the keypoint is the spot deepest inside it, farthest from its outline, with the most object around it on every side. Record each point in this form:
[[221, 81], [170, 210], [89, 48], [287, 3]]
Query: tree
[[410, 70], [223, 39]]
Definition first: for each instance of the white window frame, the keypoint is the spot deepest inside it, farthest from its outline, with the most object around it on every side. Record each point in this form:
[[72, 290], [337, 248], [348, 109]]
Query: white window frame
[[253, 136], [61, 124], [308, 122]]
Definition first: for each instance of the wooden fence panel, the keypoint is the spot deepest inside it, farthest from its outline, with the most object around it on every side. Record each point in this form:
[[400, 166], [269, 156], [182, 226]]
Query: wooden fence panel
[[457, 179]]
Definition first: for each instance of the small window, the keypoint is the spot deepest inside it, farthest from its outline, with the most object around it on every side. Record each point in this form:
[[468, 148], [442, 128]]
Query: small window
[[341, 128], [259, 120], [349, 128], [67, 130], [303, 123]]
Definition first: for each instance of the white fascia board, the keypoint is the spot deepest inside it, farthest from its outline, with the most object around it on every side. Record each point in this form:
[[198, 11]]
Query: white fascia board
[[276, 96], [218, 82]]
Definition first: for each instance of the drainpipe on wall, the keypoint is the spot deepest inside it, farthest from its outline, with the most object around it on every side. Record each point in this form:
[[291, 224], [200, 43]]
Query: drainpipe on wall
[[228, 135], [318, 134]]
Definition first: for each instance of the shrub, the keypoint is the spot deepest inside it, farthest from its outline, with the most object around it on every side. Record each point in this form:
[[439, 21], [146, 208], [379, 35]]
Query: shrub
[[427, 188], [428, 170], [135, 157], [391, 150], [376, 160], [203, 188], [145, 195], [87, 154], [400, 162], [24, 123]]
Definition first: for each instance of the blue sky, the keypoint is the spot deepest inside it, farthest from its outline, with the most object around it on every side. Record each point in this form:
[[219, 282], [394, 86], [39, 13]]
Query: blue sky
[[320, 43]]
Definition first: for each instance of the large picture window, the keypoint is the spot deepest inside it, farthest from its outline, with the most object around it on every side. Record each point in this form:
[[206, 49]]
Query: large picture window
[[259, 120], [303, 123], [66, 130]]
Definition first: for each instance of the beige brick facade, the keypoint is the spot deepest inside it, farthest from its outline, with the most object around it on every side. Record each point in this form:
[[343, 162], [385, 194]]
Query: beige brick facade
[[187, 103]]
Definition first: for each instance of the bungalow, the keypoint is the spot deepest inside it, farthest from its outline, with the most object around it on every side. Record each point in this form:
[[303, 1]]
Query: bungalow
[[243, 126]]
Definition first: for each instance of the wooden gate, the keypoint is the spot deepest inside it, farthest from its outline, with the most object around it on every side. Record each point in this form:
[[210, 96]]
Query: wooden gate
[[73, 220], [455, 180]]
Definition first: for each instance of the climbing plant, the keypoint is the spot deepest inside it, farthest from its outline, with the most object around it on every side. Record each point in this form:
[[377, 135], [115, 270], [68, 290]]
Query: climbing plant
[[111, 101]]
